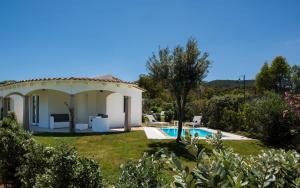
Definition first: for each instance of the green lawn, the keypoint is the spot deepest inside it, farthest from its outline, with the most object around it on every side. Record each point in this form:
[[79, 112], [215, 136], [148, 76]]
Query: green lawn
[[111, 150]]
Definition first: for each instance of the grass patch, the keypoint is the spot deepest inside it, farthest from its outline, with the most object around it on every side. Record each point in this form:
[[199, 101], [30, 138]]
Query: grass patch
[[111, 150]]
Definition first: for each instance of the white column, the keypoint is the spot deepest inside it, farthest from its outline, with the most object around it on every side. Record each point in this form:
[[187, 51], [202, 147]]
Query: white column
[[5, 105], [127, 126], [26, 112], [72, 114]]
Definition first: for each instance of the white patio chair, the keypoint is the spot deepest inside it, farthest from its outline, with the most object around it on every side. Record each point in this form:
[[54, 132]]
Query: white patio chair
[[153, 121], [196, 121]]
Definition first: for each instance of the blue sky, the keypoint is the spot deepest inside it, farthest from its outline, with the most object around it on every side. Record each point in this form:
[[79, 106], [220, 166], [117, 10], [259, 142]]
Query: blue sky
[[62, 38]]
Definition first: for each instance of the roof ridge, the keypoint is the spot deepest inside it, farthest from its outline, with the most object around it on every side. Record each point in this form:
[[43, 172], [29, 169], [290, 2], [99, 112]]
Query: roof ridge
[[114, 79]]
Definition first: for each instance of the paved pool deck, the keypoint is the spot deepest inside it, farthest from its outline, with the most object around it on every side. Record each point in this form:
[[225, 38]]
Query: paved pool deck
[[157, 134]]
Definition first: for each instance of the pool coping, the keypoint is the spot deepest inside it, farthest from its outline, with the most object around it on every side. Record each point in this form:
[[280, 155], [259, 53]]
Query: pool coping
[[157, 134]]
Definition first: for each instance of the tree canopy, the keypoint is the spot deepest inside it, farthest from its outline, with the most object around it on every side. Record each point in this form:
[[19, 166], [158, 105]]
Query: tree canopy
[[295, 77], [179, 71], [263, 79], [276, 77]]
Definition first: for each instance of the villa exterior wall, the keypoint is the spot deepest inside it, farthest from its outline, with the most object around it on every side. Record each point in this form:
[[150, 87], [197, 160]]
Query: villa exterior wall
[[81, 112], [115, 110], [91, 98], [88, 104], [136, 109], [16, 105], [56, 102]]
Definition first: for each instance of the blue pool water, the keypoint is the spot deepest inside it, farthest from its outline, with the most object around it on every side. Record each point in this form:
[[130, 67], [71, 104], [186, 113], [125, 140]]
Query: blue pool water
[[193, 131]]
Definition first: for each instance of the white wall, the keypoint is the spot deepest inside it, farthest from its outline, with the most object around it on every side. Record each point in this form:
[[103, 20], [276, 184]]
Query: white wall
[[16, 105], [90, 103], [115, 110], [56, 101], [136, 109], [81, 109], [95, 102]]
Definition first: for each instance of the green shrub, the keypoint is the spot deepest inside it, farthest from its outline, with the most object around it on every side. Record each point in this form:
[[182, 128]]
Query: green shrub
[[12, 116], [9, 123], [157, 116], [152, 105], [68, 170], [35, 163], [146, 172], [156, 109], [216, 141], [168, 106], [231, 120], [194, 108], [275, 125], [224, 168], [14, 144], [274, 168], [169, 115], [24, 163], [88, 174], [216, 106], [249, 114]]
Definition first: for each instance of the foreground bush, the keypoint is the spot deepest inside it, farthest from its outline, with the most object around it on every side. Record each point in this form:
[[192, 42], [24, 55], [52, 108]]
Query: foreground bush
[[274, 119], [217, 106], [224, 168], [146, 172], [24, 163], [68, 170], [13, 148], [35, 162], [217, 169]]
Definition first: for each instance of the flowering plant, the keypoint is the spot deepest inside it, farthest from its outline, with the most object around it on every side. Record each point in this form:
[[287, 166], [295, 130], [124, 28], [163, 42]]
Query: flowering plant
[[293, 100]]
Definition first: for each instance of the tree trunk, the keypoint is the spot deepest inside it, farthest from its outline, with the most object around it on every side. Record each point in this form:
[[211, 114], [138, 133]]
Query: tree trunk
[[181, 107], [180, 122]]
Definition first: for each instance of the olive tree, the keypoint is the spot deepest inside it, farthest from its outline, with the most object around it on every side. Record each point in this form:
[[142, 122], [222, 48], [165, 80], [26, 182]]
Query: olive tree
[[180, 71]]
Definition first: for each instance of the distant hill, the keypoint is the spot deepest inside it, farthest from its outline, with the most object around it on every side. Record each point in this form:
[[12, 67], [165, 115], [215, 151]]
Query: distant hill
[[230, 83]]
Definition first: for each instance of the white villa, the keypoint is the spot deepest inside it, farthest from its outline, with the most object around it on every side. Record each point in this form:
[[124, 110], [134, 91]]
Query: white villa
[[99, 104]]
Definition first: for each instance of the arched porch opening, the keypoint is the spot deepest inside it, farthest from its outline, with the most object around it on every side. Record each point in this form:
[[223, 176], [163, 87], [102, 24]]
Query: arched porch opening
[[45, 103], [89, 103], [100, 102]]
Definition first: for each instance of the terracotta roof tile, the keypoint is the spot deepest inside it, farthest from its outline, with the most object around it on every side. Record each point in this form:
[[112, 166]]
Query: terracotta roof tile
[[112, 79]]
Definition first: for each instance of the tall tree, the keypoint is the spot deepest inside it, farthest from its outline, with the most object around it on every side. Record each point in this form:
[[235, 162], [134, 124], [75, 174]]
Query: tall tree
[[263, 79], [180, 71], [275, 77], [295, 78], [280, 74], [153, 89]]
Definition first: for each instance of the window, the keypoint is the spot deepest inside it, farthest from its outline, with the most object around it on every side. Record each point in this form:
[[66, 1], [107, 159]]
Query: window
[[35, 109]]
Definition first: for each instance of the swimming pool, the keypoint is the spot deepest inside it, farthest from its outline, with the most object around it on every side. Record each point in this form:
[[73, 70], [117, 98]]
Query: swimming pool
[[173, 132]]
